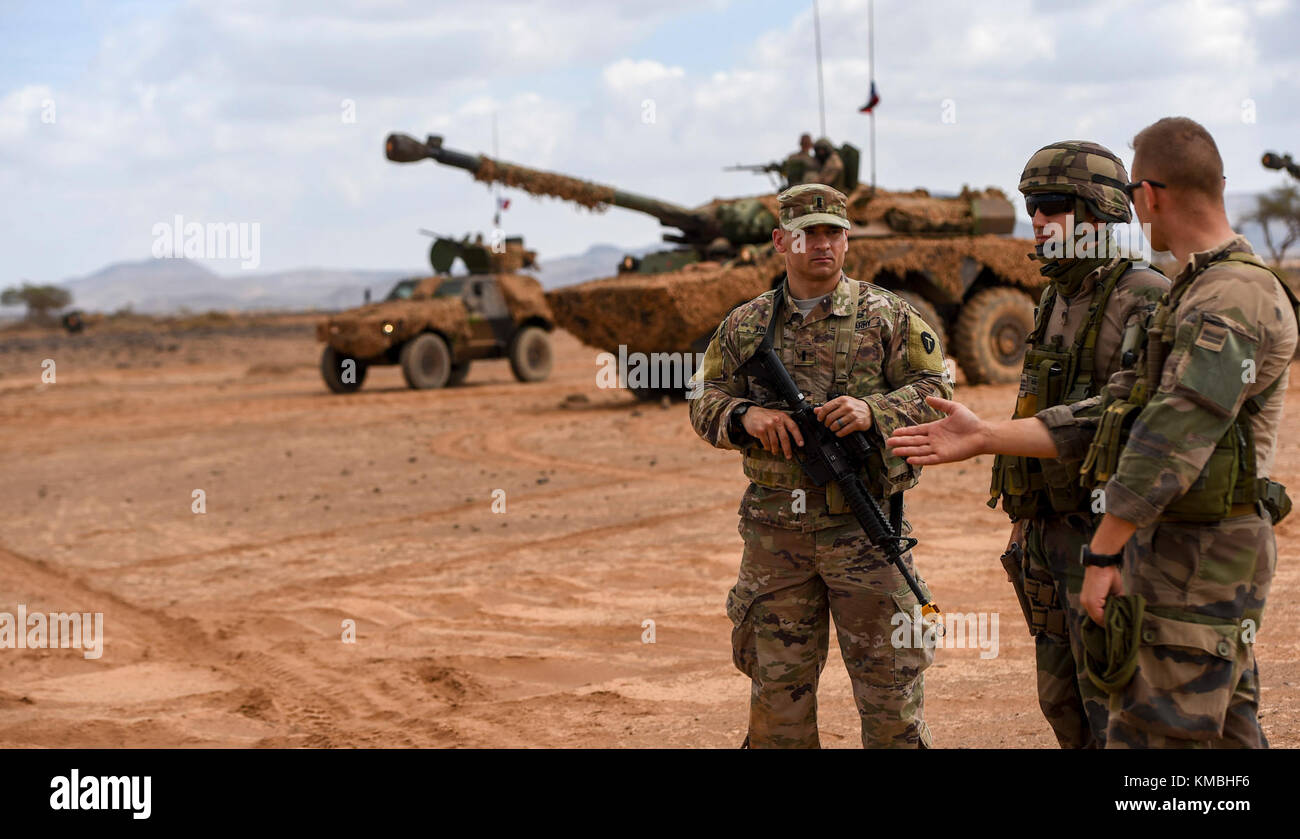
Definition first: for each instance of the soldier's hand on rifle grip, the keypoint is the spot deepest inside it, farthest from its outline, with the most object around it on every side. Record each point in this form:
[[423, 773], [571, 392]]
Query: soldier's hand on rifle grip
[[845, 415], [773, 429]]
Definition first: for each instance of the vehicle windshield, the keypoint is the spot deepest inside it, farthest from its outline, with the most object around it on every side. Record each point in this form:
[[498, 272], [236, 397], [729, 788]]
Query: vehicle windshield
[[450, 288], [403, 290]]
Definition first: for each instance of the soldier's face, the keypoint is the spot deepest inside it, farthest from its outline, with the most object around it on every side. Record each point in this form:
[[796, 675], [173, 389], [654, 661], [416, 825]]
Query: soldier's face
[[814, 253], [1058, 226]]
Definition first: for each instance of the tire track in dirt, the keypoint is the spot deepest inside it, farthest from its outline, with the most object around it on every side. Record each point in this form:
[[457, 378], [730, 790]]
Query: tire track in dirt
[[302, 702]]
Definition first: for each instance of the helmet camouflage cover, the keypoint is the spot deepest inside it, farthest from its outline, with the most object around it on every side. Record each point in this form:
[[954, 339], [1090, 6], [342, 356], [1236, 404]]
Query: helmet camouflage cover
[[1088, 171]]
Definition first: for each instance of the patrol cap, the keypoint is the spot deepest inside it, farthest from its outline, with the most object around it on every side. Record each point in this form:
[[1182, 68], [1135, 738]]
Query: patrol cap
[[807, 204]]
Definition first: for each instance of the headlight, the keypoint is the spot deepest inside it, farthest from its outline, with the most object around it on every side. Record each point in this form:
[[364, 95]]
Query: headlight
[[388, 329]]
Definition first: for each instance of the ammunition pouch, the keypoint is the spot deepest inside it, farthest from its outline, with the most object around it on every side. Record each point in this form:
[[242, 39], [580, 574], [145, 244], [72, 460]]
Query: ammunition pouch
[[1053, 374], [775, 472], [1108, 442], [1046, 614]]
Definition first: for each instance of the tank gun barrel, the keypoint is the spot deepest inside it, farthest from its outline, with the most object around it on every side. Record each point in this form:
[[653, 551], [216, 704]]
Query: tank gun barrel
[[698, 228]]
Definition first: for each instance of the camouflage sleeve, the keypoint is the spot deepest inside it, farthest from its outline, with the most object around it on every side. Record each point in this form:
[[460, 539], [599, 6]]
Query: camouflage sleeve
[[1072, 426], [716, 390], [914, 368], [1202, 387]]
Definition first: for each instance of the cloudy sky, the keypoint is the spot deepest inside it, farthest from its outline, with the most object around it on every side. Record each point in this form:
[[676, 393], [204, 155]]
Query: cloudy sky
[[117, 116]]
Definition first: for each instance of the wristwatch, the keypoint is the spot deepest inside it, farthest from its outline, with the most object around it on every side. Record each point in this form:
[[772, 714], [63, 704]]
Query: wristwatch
[[1087, 557], [735, 427]]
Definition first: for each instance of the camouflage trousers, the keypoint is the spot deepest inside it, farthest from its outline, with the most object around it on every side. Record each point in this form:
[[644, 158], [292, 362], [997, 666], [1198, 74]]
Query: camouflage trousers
[[1197, 683], [791, 584], [1052, 578]]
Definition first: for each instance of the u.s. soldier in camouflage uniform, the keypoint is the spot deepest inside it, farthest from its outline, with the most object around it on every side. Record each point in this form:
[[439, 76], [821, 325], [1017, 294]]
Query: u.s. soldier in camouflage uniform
[[1184, 445], [806, 558], [1095, 298]]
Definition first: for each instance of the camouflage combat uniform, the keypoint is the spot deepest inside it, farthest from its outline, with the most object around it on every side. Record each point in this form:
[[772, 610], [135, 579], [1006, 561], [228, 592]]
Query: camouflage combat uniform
[[805, 555], [1203, 404], [800, 168], [1086, 311], [830, 171]]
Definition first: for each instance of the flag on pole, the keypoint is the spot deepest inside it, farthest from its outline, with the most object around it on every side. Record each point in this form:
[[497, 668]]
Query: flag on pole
[[873, 99], [503, 203]]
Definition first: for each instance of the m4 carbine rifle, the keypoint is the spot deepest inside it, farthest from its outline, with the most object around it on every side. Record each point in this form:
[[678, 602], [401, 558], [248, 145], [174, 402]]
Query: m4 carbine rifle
[[826, 457]]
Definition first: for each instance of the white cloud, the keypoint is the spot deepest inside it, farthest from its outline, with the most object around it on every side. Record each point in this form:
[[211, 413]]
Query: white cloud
[[627, 73]]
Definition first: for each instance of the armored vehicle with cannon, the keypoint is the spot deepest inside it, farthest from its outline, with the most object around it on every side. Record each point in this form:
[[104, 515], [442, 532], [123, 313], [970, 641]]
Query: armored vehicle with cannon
[[952, 258], [434, 327]]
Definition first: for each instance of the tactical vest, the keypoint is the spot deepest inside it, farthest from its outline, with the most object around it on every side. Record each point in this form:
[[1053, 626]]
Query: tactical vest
[[1228, 485], [775, 472], [1052, 375]]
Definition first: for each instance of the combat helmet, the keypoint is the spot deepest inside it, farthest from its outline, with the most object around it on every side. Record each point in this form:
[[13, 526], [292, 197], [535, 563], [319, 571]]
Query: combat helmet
[[1088, 171], [823, 144]]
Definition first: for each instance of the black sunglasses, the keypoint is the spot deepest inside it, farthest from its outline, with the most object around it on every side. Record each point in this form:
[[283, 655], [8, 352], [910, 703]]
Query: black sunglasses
[[1130, 187], [1051, 203]]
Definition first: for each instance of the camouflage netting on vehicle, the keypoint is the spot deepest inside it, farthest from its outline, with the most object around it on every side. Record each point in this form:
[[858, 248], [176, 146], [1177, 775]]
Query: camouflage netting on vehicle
[[589, 195], [525, 298], [941, 268], [768, 201], [917, 211], [359, 332], [672, 311], [655, 312]]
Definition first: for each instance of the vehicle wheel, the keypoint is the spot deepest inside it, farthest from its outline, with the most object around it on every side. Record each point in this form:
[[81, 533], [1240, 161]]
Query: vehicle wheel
[[989, 337], [929, 314], [530, 354], [338, 379], [426, 362], [458, 374]]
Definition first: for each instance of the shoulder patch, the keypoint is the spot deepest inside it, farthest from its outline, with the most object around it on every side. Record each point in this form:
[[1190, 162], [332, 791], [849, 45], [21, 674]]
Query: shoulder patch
[[923, 350]]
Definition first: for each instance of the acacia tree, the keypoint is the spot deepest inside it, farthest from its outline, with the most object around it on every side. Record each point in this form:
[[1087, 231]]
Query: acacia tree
[[1278, 208], [40, 300]]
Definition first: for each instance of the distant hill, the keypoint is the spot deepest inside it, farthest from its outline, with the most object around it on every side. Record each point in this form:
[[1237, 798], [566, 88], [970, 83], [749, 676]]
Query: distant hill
[[597, 261], [166, 286], [163, 286]]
